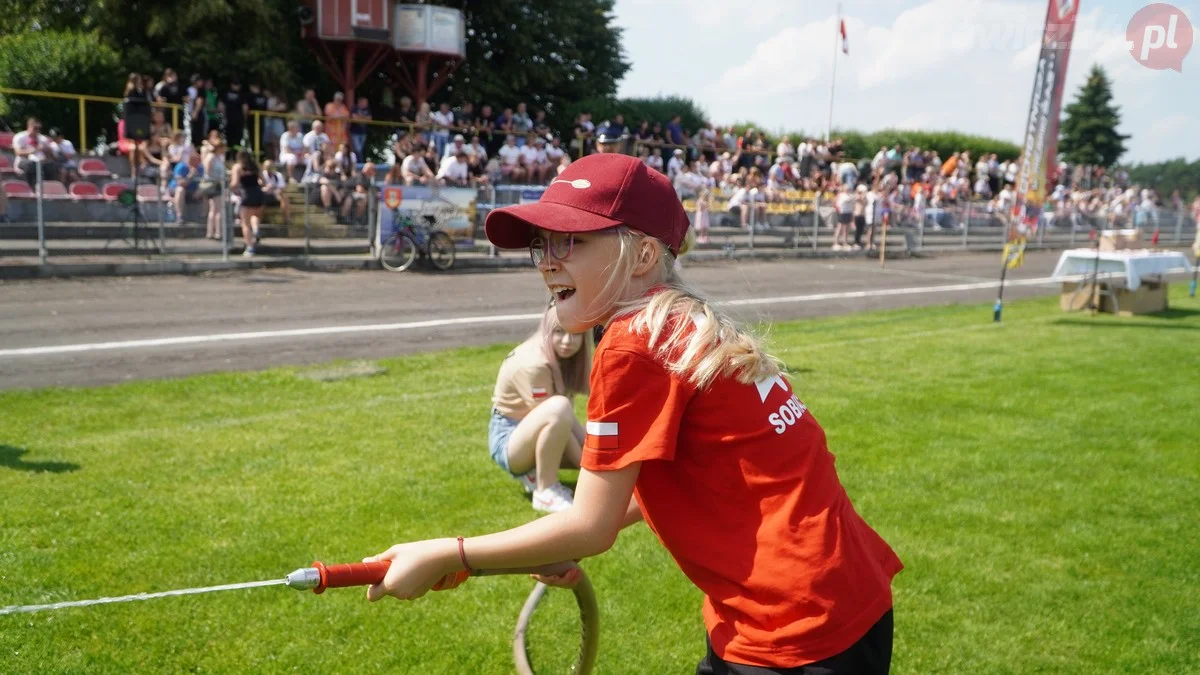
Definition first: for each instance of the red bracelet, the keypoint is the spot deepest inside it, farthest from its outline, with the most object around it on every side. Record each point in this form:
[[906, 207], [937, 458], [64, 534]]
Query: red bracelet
[[462, 555]]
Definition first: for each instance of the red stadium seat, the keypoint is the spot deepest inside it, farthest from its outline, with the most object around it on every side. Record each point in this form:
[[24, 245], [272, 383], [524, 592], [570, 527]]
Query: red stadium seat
[[93, 167], [6, 166], [18, 189], [112, 190], [6, 140], [84, 190], [147, 193], [53, 189]]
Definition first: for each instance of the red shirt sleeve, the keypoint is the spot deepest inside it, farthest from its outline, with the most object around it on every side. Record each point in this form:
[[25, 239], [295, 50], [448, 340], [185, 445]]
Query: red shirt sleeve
[[634, 411]]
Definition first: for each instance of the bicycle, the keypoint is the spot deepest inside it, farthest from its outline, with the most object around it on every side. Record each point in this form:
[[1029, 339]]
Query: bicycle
[[412, 237]]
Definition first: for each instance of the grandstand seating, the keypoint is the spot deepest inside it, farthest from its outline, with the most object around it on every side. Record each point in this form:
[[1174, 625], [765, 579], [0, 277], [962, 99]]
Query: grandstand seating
[[6, 138], [83, 190], [112, 190], [147, 193], [6, 166], [17, 189], [53, 189], [93, 167]]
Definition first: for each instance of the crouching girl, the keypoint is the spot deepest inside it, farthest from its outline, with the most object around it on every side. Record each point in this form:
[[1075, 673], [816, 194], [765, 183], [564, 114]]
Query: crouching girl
[[533, 430]]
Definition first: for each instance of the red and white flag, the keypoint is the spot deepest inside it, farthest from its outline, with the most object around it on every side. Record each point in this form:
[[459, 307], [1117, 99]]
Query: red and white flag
[[845, 40], [601, 435], [539, 392]]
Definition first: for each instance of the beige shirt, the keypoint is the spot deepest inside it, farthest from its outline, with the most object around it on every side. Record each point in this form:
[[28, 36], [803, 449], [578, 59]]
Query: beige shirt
[[525, 380]]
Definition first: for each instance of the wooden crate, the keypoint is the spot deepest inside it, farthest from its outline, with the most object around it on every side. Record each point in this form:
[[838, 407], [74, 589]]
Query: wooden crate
[[1149, 297], [1121, 240]]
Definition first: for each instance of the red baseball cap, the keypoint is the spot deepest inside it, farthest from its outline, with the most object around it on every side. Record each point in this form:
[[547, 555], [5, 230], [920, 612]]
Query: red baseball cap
[[595, 193]]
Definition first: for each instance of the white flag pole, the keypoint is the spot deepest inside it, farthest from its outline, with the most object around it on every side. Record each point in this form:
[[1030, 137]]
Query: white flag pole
[[837, 37]]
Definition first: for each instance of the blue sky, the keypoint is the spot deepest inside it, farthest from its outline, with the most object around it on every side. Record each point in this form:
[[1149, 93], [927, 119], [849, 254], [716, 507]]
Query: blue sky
[[966, 65]]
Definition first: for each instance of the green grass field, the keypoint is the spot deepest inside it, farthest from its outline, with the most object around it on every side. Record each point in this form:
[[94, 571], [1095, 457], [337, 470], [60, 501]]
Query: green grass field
[[1040, 479]]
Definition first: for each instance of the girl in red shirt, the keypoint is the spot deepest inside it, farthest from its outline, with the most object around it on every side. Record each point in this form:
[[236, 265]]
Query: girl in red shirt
[[693, 428]]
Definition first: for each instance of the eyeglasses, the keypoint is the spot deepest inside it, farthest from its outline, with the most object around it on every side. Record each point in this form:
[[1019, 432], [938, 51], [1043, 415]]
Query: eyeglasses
[[557, 244]]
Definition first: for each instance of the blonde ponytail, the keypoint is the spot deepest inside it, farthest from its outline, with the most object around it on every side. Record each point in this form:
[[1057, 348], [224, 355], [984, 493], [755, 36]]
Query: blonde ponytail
[[694, 340]]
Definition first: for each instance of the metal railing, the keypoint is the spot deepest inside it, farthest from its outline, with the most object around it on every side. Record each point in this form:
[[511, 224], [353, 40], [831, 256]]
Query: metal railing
[[793, 219], [63, 226], [81, 142]]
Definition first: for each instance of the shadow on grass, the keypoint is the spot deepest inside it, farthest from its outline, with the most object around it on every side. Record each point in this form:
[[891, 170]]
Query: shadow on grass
[[10, 458], [1176, 313], [1126, 324]]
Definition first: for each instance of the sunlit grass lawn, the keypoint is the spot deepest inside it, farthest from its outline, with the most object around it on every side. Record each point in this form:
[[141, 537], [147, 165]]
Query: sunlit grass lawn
[[1040, 479]]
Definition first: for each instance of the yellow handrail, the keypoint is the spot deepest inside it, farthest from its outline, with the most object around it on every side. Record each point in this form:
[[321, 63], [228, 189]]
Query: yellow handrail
[[83, 99]]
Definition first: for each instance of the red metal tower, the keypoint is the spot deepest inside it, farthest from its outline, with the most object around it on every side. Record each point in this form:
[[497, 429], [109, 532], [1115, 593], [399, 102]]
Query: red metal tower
[[418, 46]]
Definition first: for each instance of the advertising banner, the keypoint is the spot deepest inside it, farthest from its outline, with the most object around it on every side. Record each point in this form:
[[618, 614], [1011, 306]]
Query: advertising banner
[[1039, 151], [449, 209]]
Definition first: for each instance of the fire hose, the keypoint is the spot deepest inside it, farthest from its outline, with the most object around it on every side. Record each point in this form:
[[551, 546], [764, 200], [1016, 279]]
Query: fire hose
[[319, 577]]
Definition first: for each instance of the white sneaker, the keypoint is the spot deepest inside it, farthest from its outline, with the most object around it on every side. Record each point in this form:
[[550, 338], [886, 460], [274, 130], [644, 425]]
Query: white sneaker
[[528, 481], [552, 499]]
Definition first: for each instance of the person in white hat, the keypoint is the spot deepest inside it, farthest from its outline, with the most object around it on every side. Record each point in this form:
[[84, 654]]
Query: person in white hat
[[675, 164], [453, 148], [544, 165], [860, 214]]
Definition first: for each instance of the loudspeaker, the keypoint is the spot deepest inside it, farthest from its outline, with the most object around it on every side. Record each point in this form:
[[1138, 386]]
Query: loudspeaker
[[137, 119]]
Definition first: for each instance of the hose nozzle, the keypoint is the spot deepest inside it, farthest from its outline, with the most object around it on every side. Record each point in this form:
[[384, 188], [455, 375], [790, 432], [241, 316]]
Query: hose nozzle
[[303, 579], [319, 577]]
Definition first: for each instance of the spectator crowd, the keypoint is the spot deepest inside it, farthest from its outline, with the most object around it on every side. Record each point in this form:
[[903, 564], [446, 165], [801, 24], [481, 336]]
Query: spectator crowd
[[465, 146]]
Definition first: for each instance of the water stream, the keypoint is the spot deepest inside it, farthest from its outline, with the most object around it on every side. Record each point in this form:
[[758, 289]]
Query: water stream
[[20, 609]]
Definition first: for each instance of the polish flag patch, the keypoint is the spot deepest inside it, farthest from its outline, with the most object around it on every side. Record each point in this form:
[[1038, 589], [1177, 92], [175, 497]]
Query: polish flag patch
[[602, 435], [539, 392]]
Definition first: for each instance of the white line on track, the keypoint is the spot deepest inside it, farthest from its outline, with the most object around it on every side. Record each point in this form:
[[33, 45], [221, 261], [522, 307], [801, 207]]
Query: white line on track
[[486, 319], [885, 292], [906, 273]]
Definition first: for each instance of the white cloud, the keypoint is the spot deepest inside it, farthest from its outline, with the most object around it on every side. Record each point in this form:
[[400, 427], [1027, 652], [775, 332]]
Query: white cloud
[[935, 35], [781, 63]]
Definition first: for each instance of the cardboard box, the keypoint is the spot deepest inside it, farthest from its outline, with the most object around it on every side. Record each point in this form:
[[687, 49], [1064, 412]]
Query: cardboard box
[[1074, 296], [1150, 297], [1121, 240]]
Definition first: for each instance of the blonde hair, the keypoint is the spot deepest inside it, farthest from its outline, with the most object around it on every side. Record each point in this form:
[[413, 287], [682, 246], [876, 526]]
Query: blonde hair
[[570, 374], [694, 340]]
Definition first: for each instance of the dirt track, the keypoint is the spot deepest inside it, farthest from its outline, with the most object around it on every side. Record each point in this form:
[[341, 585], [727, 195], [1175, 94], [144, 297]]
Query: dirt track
[[98, 312]]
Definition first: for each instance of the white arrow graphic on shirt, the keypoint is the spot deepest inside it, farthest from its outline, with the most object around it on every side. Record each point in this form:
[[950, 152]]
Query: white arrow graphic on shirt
[[765, 386]]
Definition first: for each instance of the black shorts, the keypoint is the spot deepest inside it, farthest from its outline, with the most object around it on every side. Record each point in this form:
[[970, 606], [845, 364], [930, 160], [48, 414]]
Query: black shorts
[[845, 218], [233, 132], [253, 199], [871, 655]]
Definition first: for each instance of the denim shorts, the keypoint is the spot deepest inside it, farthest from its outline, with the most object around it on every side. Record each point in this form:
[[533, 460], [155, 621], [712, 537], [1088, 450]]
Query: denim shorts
[[499, 431]]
